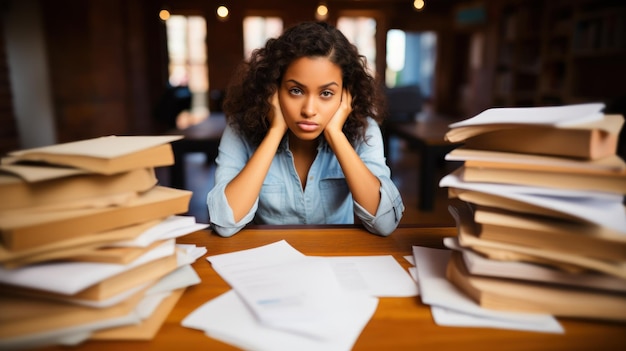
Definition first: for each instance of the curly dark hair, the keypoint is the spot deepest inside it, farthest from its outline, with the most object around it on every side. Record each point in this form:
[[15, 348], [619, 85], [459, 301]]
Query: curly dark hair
[[247, 101]]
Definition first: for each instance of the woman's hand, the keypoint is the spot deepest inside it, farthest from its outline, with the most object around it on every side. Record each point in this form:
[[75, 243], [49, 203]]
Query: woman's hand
[[276, 118], [341, 115]]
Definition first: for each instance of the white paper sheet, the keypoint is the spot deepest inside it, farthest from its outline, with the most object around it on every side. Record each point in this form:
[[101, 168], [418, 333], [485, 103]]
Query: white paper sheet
[[288, 290], [437, 291], [301, 296], [380, 276], [170, 228], [71, 277], [227, 318], [550, 115], [600, 208]]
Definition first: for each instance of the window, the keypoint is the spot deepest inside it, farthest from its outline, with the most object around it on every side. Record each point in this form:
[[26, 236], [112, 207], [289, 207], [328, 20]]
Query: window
[[256, 31], [186, 43], [361, 31], [411, 59]]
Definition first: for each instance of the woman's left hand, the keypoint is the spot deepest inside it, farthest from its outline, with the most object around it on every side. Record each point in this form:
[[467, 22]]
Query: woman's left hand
[[341, 115]]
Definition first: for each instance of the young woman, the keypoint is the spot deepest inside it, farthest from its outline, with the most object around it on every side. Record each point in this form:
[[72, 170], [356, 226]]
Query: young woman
[[303, 144]]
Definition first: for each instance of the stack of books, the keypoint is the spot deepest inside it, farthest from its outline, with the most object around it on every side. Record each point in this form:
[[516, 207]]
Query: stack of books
[[87, 246], [539, 207]]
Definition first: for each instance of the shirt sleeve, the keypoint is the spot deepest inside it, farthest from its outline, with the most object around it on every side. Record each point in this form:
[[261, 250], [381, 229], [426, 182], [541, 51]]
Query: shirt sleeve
[[391, 207], [232, 156]]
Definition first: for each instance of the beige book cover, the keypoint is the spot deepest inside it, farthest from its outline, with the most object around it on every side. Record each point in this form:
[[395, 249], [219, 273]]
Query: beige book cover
[[611, 165], [585, 239], [105, 155], [480, 198], [14, 258], [561, 180], [148, 328], [23, 315], [94, 252], [587, 141], [30, 229], [520, 296], [108, 288], [479, 264], [467, 235], [55, 187]]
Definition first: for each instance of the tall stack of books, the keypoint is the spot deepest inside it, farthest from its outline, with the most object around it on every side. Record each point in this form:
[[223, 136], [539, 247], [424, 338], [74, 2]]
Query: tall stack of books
[[539, 207], [87, 246]]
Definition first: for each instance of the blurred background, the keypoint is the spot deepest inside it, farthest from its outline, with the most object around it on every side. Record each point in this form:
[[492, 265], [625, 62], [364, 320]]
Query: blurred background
[[76, 69]]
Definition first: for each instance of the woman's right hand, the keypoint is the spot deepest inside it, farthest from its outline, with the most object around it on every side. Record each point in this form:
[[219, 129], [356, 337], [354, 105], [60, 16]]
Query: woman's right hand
[[276, 118]]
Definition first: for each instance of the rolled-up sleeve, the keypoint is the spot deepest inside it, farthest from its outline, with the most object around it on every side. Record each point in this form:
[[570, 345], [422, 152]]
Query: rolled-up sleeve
[[233, 155], [391, 207]]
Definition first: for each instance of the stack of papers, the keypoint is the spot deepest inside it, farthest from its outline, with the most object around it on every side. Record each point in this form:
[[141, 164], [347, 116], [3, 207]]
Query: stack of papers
[[451, 307], [88, 242], [284, 300], [539, 208]]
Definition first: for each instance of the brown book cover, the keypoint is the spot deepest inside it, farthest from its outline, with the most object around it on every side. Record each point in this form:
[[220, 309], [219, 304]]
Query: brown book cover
[[574, 262], [478, 264], [148, 328], [58, 248], [33, 186], [95, 252], [520, 296], [585, 239], [40, 228], [105, 155], [611, 165], [485, 199], [562, 180], [588, 141], [107, 288], [23, 315]]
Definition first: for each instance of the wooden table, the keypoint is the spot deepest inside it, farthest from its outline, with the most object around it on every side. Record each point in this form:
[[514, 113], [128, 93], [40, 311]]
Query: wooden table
[[398, 324]]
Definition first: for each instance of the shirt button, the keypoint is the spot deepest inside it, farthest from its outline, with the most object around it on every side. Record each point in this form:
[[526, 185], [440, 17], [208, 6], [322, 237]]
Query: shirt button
[[311, 178]]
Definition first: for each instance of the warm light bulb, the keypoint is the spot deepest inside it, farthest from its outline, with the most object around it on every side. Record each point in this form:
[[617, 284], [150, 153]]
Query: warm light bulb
[[164, 15], [222, 12], [322, 12], [418, 4]]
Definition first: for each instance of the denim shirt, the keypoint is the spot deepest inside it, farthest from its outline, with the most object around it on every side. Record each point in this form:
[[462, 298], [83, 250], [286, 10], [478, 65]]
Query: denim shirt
[[326, 199]]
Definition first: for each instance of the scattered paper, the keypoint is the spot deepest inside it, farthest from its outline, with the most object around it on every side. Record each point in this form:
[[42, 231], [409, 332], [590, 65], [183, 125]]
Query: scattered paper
[[228, 319], [437, 291]]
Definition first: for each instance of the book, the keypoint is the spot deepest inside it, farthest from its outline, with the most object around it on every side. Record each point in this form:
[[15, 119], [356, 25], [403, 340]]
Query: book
[[148, 328], [611, 165], [552, 116], [521, 296], [467, 235], [84, 253], [590, 140], [107, 288], [57, 187], [23, 316], [104, 155], [12, 259], [585, 239], [603, 209], [477, 264], [29, 229], [563, 180]]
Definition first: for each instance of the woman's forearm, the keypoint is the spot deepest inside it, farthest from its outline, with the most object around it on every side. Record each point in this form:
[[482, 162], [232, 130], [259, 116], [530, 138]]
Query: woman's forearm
[[243, 190], [364, 186]]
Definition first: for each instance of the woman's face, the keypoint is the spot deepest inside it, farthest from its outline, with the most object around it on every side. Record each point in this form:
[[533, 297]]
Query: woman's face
[[309, 95]]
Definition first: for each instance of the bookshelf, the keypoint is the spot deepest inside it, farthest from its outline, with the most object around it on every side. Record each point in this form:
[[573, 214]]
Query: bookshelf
[[560, 52], [517, 55]]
